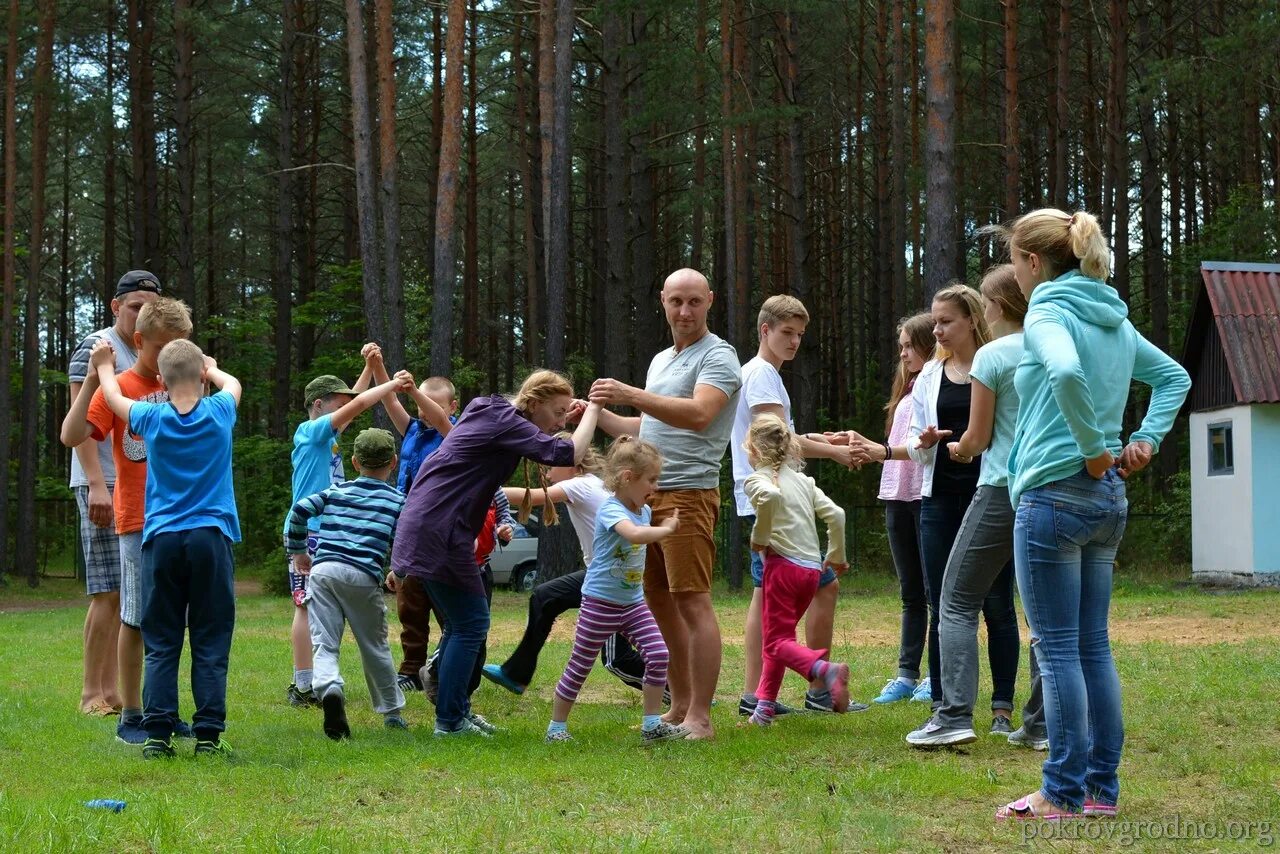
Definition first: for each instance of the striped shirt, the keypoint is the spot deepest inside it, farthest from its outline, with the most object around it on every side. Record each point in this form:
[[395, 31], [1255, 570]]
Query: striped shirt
[[357, 521]]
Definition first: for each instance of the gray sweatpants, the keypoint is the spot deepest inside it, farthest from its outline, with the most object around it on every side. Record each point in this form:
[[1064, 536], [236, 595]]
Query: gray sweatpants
[[338, 594]]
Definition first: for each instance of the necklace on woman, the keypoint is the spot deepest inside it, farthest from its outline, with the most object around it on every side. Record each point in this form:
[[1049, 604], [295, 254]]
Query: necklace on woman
[[963, 375]]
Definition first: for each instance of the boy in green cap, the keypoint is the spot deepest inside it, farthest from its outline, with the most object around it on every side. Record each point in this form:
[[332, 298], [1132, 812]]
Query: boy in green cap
[[331, 406], [357, 520]]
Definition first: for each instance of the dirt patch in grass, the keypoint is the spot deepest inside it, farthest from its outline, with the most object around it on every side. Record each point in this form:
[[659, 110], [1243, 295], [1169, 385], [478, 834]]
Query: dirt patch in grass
[[1195, 630]]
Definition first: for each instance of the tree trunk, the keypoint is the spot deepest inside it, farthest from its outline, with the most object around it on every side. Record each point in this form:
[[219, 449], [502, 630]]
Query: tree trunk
[[389, 188], [546, 68], [282, 280], [560, 189], [146, 225], [613, 82], [1118, 146], [109, 272], [1012, 183], [447, 190], [940, 248], [7, 321], [697, 229], [528, 154], [644, 280], [1154, 270], [470, 268], [184, 40], [729, 169], [366, 188], [897, 295], [1061, 87], [28, 526]]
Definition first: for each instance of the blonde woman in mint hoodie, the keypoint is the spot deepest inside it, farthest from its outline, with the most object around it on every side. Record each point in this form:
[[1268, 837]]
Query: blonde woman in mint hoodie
[[1066, 478]]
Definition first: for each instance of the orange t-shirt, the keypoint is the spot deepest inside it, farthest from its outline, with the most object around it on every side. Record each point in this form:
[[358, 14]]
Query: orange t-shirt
[[128, 450]]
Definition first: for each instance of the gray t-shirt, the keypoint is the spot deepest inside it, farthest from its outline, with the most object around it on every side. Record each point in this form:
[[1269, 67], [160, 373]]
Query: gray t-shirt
[[79, 369], [691, 459]]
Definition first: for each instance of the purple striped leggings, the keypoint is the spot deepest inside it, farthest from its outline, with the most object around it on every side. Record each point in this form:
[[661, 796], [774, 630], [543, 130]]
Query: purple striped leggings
[[597, 622]]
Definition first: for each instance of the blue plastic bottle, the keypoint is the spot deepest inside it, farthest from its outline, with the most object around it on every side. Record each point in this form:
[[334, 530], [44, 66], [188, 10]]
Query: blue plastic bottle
[[106, 804]]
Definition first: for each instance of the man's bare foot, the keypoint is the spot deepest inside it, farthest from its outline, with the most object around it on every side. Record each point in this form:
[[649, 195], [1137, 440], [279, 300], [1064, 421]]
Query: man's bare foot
[[703, 732], [673, 717]]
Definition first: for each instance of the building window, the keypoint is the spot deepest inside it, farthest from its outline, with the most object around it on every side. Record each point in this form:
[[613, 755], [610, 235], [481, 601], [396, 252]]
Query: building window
[[1221, 455]]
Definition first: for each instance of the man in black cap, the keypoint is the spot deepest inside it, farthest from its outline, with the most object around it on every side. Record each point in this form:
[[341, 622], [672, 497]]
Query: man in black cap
[[92, 481]]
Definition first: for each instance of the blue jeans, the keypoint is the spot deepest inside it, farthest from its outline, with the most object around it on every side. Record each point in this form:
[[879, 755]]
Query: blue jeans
[[187, 580], [1065, 538], [940, 519], [466, 626]]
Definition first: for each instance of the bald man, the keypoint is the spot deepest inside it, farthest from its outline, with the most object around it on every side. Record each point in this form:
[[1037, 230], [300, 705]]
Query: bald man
[[687, 408]]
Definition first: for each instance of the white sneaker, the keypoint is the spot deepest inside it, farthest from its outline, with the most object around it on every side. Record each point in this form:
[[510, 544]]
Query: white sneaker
[[934, 734], [465, 728]]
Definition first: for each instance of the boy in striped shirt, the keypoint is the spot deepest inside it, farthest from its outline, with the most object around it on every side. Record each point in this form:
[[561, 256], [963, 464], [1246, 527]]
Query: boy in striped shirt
[[357, 521]]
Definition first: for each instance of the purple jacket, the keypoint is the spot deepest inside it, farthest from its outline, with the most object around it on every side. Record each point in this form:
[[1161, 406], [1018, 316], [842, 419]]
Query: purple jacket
[[452, 491]]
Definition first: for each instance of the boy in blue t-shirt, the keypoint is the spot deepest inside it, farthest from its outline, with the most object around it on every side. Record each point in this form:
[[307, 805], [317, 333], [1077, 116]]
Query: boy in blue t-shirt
[[317, 465], [191, 522]]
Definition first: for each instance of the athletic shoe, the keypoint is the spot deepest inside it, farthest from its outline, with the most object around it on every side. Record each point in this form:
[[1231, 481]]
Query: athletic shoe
[[300, 699], [335, 715], [482, 724], [1022, 738], [893, 691], [822, 703], [221, 747], [395, 722], [923, 692], [182, 729], [746, 708], [429, 685], [464, 728], [663, 732], [1001, 726], [409, 682], [494, 673], [158, 748], [558, 736], [934, 734], [130, 731], [1097, 809], [837, 679]]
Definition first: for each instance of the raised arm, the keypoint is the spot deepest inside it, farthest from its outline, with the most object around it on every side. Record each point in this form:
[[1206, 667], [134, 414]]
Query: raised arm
[[362, 401], [372, 355], [585, 432], [75, 427], [103, 361], [428, 409], [221, 380]]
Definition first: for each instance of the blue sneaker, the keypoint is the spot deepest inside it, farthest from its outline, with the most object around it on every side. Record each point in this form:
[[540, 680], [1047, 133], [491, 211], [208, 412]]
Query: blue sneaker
[[182, 729], [923, 692], [894, 690], [495, 674], [130, 731]]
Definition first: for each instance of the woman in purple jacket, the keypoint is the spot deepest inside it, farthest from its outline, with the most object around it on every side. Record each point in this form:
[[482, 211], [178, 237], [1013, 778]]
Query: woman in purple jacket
[[435, 538]]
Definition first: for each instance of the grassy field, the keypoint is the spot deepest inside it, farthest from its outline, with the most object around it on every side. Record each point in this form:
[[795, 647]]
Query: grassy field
[[1200, 674]]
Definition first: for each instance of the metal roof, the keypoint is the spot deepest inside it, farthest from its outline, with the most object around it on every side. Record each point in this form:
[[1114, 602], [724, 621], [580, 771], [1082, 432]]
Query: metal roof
[[1245, 301]]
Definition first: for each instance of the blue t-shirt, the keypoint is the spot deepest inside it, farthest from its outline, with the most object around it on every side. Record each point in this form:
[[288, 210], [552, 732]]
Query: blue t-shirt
[[189, 481], [995, 365], [616, 572], [317, 463], [420, 441]]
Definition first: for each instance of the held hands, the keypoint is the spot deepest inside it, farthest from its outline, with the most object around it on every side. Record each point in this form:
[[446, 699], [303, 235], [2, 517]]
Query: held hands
[[608, 392], [838, 568], [371, 353], [931, 436], [302, 564], [576, 409], [1135, 457], [405, 382], [953, 449], [1098, 466]]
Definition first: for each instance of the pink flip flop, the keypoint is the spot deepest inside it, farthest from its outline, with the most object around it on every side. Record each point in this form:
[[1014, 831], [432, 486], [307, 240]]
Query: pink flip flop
[[1097, 809], [1020, 810]]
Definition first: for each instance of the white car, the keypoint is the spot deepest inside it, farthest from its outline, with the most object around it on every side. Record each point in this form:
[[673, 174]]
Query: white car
[[516, 564]]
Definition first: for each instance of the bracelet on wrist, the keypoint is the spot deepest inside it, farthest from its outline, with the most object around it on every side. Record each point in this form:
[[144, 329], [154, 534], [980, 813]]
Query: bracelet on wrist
[[888, 452]]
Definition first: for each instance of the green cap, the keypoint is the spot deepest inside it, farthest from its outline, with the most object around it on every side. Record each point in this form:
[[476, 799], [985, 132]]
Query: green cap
[[375, 448], [326, 384]]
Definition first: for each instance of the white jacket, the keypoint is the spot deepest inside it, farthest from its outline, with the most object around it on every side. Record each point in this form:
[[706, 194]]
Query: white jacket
[[924, 413]]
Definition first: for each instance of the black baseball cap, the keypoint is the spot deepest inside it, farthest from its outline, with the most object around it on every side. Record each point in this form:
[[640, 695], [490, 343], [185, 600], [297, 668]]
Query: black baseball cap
[[137, 280]]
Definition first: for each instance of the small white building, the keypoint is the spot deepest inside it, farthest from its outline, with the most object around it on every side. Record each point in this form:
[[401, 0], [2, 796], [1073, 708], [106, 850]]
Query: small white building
[[1233, 355]]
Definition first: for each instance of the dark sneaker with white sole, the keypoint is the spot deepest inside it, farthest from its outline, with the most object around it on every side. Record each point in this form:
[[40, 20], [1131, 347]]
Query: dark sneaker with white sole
[[300, 699], [1022, 738], [822, 703], [934, 734], [663, 732], [747, 708], [1001, 726], [158, 748], [409, 682], [130, 731]]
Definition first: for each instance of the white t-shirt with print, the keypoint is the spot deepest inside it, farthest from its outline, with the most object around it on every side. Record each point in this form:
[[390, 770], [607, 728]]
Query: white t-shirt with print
[[761, 386]]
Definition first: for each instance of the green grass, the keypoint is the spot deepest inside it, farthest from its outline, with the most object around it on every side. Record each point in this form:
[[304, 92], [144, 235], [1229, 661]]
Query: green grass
[[1200, 716]]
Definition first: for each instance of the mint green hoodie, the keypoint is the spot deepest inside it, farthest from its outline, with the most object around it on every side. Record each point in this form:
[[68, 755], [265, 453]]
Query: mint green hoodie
[[1073, 381]]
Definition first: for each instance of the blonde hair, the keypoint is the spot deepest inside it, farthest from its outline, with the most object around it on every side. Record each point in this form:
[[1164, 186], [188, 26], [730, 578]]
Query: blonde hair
[[539, 387], [439, 385], [628, 453], [919, 329], [969, 302], [164, 315], [780, 308], [181, 362], [773, 443], [1000, 286], [1063, 241]]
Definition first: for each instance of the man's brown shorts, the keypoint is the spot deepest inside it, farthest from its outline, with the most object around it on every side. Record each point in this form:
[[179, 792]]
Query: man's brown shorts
[[684, 561]]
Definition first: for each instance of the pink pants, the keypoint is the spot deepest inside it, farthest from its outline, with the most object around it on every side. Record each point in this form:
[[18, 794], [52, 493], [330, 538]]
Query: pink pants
[[787, 591]]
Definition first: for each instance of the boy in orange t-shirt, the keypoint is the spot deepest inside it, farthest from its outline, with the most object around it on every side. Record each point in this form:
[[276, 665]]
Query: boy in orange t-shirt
[[159, 322]]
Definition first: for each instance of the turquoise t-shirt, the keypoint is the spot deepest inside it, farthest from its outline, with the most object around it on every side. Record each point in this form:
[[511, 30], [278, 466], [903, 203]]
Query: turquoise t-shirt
[[317, 464], [616, 572], [995, 365], [188, 466]]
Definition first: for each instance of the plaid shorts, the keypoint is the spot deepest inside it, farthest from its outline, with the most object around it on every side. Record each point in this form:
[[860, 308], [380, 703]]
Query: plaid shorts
[[131, 579], [298, 583], [101, 549]]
